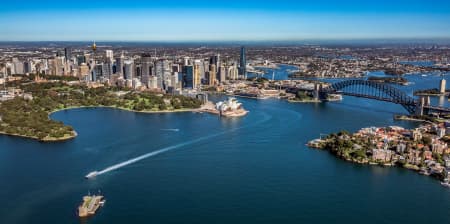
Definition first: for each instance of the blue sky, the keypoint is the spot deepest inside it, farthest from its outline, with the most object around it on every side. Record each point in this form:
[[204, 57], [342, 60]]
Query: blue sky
[[201, 20]]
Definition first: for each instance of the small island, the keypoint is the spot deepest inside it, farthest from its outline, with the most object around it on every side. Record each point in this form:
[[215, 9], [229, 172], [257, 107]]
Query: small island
[[28, 116]]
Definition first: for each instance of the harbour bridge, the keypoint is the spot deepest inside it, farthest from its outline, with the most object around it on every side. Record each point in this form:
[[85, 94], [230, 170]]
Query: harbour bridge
[[379, 91]]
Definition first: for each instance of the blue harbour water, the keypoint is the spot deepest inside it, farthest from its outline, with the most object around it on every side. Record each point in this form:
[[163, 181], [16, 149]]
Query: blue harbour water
[[254, 169]]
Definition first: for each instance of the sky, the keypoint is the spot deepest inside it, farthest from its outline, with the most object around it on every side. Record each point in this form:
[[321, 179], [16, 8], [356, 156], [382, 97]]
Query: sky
[[229, 20]]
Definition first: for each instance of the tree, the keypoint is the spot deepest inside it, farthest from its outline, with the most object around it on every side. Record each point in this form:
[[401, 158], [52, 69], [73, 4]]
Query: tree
[[426, 140]]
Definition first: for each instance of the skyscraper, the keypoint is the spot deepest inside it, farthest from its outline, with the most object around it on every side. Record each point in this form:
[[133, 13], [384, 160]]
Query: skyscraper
[[163, 72], [242, 64], [222, 74], [27, 67], [128, 69], [215, 60], [107, 69], [81, 59], [109, 55], [188, 79], [68, 53], [97, 72], [119, 64], [197, 76], [212, 74], [146, 64]]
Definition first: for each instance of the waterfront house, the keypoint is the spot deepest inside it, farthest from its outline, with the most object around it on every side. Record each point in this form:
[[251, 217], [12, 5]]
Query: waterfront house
[[414, 157], [382, 155]]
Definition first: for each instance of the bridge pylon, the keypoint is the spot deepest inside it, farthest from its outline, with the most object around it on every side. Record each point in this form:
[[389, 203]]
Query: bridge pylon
[[421, 108]]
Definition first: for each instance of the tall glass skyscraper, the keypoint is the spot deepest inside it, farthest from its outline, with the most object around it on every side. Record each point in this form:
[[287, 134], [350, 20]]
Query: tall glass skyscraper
[[68, 53], [188, 79], [242, 63]]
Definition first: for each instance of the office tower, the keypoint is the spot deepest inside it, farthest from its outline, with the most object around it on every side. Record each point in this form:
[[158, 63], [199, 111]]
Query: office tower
[[176, 68], [222, 74], [232, 72], [81, 59], [180, 80], [204, 68], [243, 64], [107, 69], [212, 74], [163, 73], [97, 72], [188, 78], [186, 61], [27, 67], [119, 64], [83, 71], [215, 60], [128, 69], [109, 56], [59, 65], [146, 68], [159, 73], [17, 66], [174, 80], [68, 53], [137, 71], [197, 77]]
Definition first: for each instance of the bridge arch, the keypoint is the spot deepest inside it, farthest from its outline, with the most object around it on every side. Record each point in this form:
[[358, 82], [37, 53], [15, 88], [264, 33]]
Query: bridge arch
[[371, 90]]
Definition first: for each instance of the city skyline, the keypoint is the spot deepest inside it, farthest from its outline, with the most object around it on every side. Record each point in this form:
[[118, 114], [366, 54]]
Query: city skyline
[[234, 21]]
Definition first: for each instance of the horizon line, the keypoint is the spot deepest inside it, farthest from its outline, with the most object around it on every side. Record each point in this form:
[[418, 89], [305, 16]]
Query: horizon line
[[256, 41]]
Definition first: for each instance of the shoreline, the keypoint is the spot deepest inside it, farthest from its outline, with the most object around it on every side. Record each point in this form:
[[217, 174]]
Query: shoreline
[[431, 94], [126, 109], [407, 118], [367, 162], [65, 138], [304, 101], [74, 134]]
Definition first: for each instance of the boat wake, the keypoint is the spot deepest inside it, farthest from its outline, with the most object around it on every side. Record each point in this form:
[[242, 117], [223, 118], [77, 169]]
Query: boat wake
[[171, 129], [169, 148]]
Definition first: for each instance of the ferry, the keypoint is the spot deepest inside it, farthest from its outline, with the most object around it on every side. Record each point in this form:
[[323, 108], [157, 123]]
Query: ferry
[[91, 175], [90, 205]]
